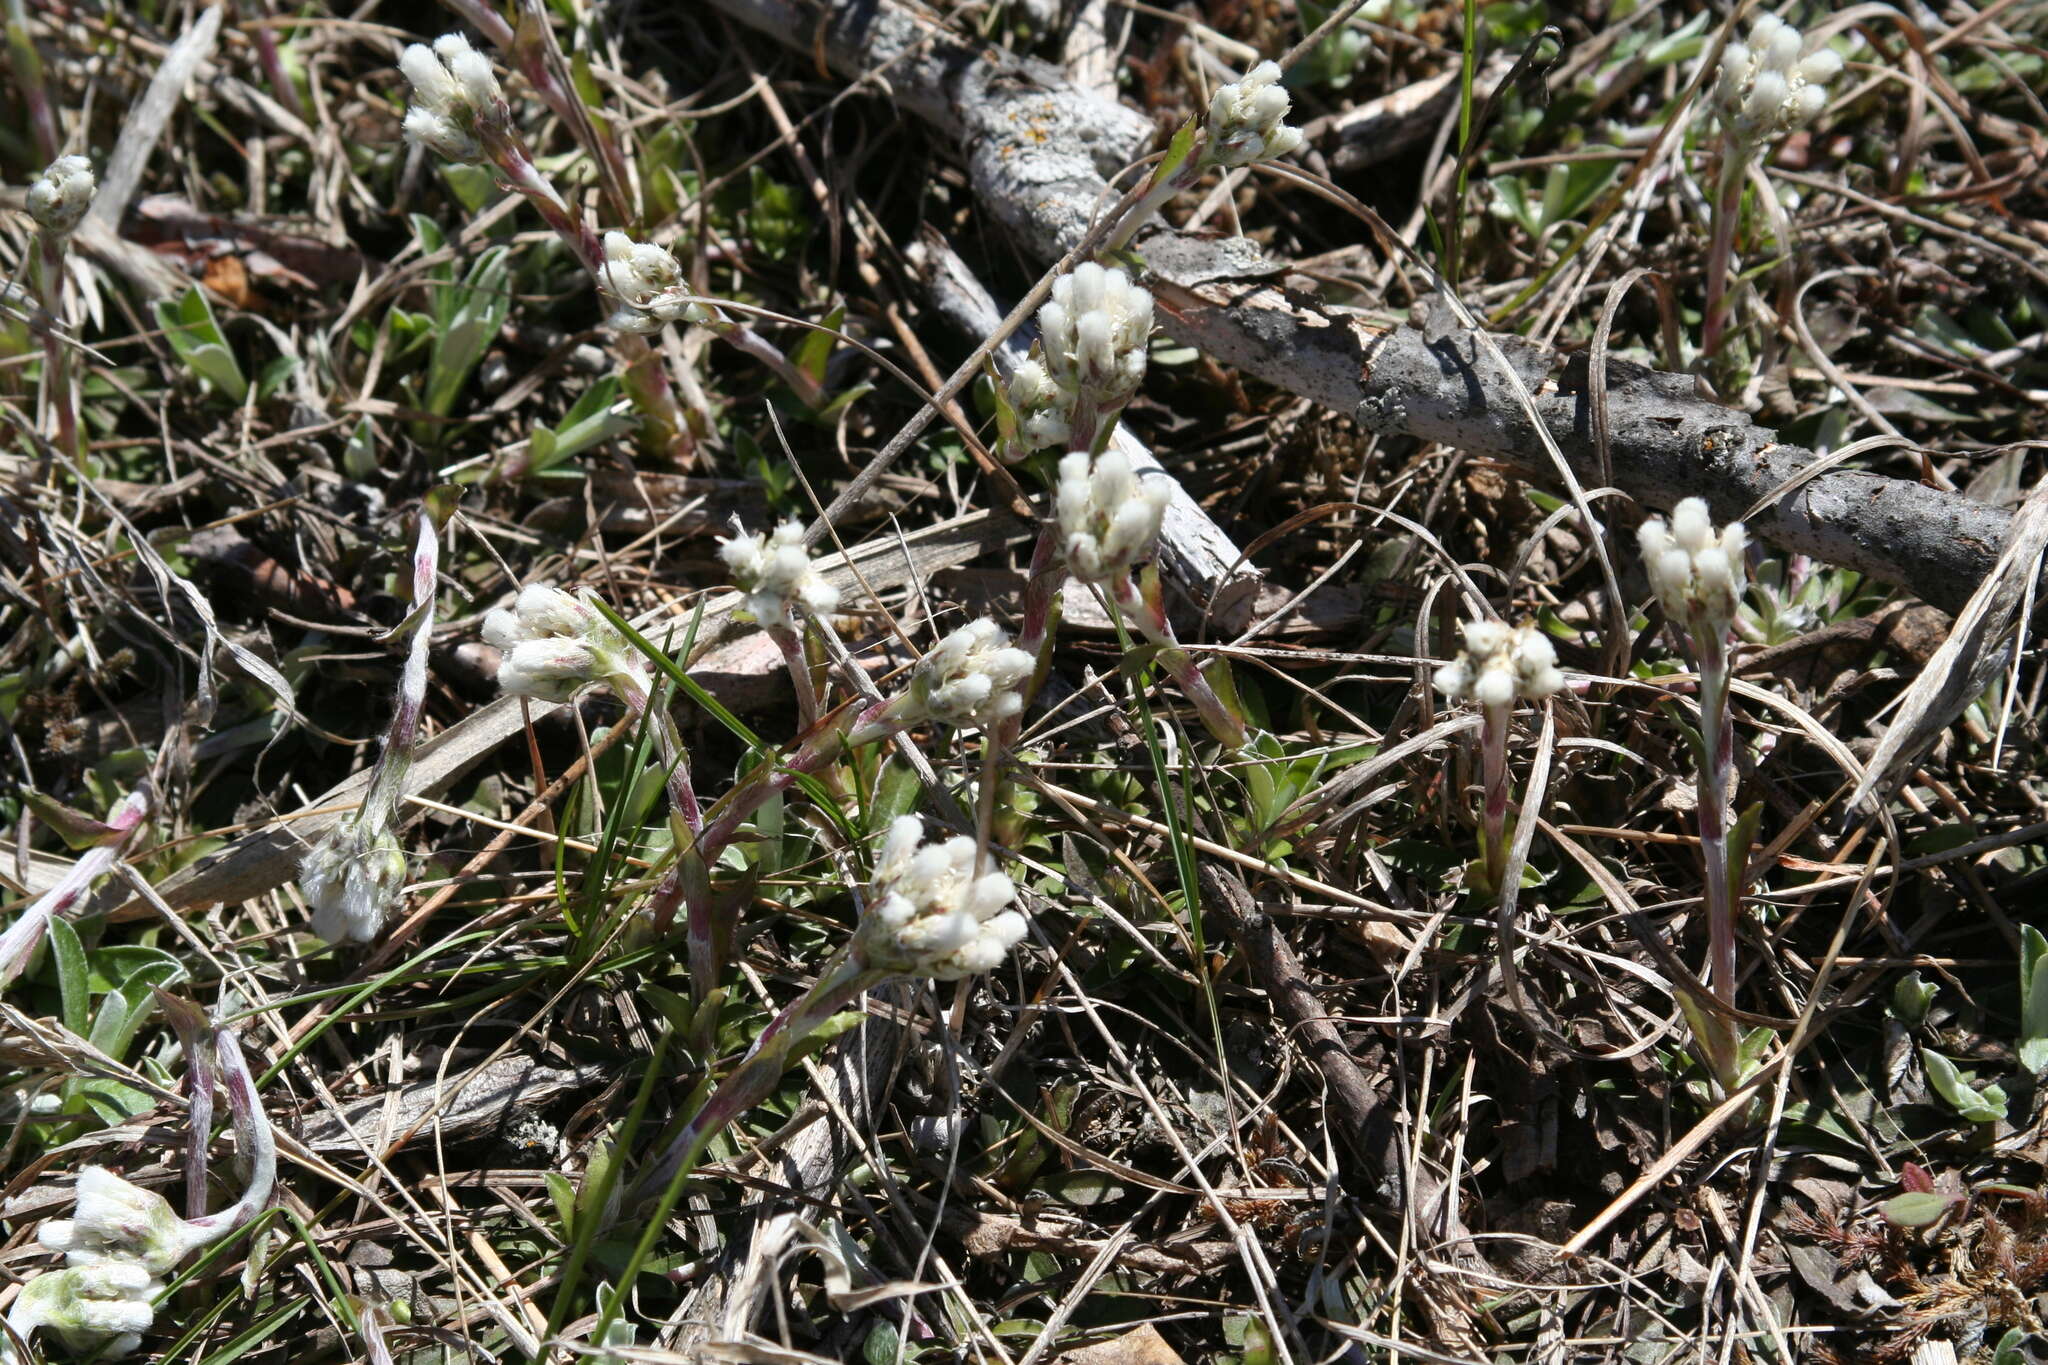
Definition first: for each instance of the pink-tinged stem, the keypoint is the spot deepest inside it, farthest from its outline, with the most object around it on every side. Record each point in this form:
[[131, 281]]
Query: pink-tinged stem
[[631, 689], [1493, 755], [28, 80], [380, 803], [792, 646], [751, 343], [1727, 209], [271, 59], [195, 1040], [59, 398], [252, 1134], [1148, 614], [22, 937]]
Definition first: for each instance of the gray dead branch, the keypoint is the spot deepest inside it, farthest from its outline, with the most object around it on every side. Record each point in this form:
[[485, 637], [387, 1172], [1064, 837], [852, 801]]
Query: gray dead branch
[[446, 1109], [1038, 151]]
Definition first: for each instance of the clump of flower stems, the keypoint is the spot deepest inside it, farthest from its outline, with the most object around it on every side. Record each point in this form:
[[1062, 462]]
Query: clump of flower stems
[[1699, 576], [354, 874], [122, 1241], [1499, 665], [459, 113]]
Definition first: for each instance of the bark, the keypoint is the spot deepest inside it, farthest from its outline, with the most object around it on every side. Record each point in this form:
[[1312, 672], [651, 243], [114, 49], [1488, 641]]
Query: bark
[[1038, 151]]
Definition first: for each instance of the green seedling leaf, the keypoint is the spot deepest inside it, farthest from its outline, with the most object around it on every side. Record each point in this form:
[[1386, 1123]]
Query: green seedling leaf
[[190, 328], [1911, 998], [73, 983], [1978, 1106], [813, 353], [1918, 1209], [1177, 151], [2033, 1000]]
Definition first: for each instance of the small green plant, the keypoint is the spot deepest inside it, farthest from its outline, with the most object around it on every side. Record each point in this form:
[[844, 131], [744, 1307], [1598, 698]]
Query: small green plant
[[2033, 1048], [466, 313], [189, 326], [1959, 1090], [1911, 998]]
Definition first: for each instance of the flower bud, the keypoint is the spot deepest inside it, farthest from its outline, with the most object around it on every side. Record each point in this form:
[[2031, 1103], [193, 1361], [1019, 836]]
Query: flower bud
[[972, 678], [116, 1220], [648, 284], [929, 914], [352, 878], [454, 95], [1698, 575], [1500, 663], [776, 573], [555, 645], [1247, 119], [104, 1308], [58, 200], [1764, 88], [1108, 518]]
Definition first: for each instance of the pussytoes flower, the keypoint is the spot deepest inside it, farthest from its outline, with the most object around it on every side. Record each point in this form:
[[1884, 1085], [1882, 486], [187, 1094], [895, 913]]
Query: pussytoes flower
[[929, 914], [1092, 337], [1765, 88], [970, 679], [555, 644], [59, 198], [776, 573], [104, 1308], [647, 281], [454, 95], [1248, 119], [1108, 517], [351, 878], [117, 1220], [1699, 575], [1500, 663]]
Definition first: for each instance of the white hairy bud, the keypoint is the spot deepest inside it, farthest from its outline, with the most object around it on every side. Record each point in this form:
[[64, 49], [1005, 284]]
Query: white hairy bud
[[102, 1308], [1042, 410], [776, 573], [454, 92], [648, 284], [116, 1220], [60, 197], [1108, 517], [972, 678], [1500, 663], [555, 644], [352, 877], [929, 914], [1765, 88], [1248, 120], [1092, 335], [1698, 574]]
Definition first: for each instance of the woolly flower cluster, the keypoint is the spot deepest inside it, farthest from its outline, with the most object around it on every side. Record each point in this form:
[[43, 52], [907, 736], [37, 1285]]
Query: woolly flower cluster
[[1092, 337], [59, 198], [1698, 575], [556, 644], [119, 1244], [648, 283], [1247, 120], [454, 91], [776, 573], [971, 678], [1108, 517], [352, 877], [929, 915], [1500, 663], [1765, 88]]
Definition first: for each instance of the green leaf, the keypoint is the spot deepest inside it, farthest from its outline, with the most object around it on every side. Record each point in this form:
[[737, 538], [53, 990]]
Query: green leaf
[[72, 975], [2033, 999], [1916, 1210], [812, 353], [1978, 1106], [563, 1191], [190, 328], [1177, 151], [1911, 998]]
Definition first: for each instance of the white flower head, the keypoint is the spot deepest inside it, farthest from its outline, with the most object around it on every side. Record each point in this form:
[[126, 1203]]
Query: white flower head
[[454, 93], [929, 914], [1698, 574], [1500, 663], [1765, 88], [648, 283], [1108, 517], [776, 573], [1043, 411], [555, 644], [352, 877], [1248, 120], [103, 1307], [119, 1221], [973, 677], [58, 200]]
